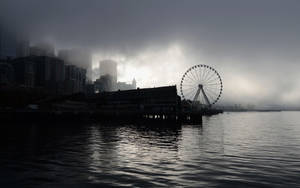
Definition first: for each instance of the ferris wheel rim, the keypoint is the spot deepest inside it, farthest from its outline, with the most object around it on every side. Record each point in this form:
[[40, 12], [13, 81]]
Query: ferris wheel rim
[[218, 77]]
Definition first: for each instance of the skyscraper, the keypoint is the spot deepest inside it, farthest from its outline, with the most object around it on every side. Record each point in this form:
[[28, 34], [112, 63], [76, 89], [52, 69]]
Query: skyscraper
[[109, 67], [78, 57], [23, 48], [12, 44], [6, 74], [43, 49], [133, 83], [8, 45]]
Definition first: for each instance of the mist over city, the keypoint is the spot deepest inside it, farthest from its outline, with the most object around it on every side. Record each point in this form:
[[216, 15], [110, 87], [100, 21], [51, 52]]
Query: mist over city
[[149, 93], [254, 44]]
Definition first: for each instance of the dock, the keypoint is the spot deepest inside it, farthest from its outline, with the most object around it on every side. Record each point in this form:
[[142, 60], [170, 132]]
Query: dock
[[161, 104]]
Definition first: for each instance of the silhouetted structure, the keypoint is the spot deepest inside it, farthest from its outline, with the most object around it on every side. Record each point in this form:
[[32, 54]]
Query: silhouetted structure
[[201, 85], [42, 49], [104, 83], [109, 67], [49, 73], [12, 45], [126, 86], [78, 57], [6, 74], [75, 79], [24, 72], [40, 72], [108, 80], [162, 102]]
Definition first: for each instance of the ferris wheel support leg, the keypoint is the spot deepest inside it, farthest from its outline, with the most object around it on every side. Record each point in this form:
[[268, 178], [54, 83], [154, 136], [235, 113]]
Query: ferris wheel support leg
[[197, 95], [205, 97]]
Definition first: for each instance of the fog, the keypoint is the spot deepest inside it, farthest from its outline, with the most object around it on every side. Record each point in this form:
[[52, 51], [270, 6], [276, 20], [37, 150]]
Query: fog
[[254, 45]]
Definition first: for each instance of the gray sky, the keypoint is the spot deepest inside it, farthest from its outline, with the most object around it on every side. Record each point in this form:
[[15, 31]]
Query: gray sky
[[254, 44]]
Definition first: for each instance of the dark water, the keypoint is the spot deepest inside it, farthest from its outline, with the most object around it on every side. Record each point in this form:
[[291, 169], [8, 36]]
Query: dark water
[[231, 149]]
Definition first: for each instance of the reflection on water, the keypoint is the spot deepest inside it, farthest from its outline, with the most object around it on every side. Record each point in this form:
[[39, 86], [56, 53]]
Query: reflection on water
[[231, 149]]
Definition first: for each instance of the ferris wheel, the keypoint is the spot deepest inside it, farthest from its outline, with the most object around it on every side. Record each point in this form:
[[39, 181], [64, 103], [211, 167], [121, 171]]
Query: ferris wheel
[[201, 84]]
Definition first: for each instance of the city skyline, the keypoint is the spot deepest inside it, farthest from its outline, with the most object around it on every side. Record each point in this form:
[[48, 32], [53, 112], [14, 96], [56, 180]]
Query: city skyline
[[150, 93], [254, 45]]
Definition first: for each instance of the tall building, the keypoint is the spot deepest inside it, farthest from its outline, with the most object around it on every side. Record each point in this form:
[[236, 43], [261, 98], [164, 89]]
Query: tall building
[[125, 86], [109, 67], [133, 83], [80, 58], [23, 48], [40, 71], [12, 45], [104, 83], [24, 72], [108, 80], [8, 45], [6, 74], [42, 49], [75, 79]]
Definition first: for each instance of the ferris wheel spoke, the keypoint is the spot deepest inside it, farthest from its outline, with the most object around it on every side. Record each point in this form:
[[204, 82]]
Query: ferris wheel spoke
[[214, 80], [188, 89], [211, 89], [212, 92], [216, 76], [216, 86], [188, 85], [194, 76], [203, 74], [210, 77], [188, 81], [199, 77], [212, 99], [190, 78], [216, 89], [192, 73], [200, 73], [206, 93], [213, 84], [191, 94], [208, 72], [207, 75]]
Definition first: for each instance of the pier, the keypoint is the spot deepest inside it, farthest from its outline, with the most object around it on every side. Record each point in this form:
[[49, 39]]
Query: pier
[[161, 104]]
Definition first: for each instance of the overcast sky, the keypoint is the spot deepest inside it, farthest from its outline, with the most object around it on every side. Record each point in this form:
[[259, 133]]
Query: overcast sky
[[254, 45]]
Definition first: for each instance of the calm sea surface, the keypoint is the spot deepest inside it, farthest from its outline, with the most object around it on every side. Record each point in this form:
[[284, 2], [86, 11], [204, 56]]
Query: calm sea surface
[[232, 149]]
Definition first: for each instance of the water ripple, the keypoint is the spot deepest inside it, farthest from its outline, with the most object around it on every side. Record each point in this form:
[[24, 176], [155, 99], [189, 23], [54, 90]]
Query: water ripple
[[232, 149]]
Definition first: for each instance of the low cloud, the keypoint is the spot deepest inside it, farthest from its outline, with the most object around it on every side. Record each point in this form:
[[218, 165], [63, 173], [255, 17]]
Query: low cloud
[[254, 45]]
